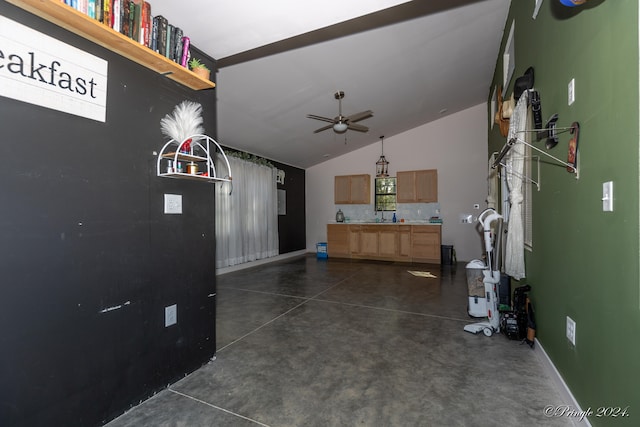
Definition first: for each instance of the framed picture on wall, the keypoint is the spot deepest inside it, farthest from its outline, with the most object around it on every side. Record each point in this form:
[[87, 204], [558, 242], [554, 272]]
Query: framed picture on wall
[[509, 58]]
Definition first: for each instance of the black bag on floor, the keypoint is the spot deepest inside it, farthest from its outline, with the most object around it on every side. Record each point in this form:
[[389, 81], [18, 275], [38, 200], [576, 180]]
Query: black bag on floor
[[520, 300]]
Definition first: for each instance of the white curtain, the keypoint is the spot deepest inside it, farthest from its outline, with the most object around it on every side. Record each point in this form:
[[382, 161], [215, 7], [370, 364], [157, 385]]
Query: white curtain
[[514, 160], [246, 219]]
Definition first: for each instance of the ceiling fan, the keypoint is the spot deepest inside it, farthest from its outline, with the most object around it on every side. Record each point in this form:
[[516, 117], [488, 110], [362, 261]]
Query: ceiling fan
[[340, 123]]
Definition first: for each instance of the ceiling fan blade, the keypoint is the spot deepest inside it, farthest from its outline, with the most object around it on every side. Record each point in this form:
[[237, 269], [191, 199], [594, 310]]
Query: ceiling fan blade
[[323, 128], [324, 119], [360, 116], [359, 128]]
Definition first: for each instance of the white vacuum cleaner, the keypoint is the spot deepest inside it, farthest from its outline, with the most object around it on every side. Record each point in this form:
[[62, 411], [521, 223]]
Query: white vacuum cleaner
[[491, 280]]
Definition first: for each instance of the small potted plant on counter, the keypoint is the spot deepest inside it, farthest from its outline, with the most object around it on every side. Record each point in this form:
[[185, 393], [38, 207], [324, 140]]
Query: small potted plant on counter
[[199, 68]]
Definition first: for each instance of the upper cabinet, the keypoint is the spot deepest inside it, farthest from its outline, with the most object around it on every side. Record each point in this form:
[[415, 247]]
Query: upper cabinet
[[70, 19], [417, 186], [352, 189]]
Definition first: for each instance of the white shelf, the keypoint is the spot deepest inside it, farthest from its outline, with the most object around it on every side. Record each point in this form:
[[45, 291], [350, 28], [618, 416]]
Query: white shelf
[[194, 150]]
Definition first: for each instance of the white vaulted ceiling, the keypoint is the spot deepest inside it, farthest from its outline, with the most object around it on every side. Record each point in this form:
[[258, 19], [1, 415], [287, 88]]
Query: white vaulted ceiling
[[409, 62]]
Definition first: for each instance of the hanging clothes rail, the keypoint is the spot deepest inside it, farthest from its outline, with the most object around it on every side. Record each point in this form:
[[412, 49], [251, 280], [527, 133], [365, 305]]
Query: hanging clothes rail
[[551, 131], [535, 181]]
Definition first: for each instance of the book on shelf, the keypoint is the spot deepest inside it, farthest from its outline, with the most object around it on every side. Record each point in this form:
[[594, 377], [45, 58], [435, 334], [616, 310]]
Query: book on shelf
[[116, 15], [145, 39], [132, 17], [99, 10], [91, 9], [162, 35], [154, 34], [170, 40], [125, 12], [185, 55], [136, 19], [177, 50], [106, 12]]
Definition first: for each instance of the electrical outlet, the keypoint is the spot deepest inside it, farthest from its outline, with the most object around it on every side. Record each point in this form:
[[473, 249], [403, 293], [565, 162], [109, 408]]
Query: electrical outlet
[[572, 91], [571, 330], [170, 315], [466, 218]]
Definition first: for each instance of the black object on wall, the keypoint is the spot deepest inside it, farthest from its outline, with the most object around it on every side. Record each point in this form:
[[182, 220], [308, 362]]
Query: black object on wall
[[89, 260], [292, 226]]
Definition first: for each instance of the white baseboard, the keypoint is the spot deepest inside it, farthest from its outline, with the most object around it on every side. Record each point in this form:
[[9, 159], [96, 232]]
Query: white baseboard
[[567, 396], [255, 263]]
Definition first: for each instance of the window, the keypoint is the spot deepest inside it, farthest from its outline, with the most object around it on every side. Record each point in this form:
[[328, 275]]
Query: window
[[385, 199]]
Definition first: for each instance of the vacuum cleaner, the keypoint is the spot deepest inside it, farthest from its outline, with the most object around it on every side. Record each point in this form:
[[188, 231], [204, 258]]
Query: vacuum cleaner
[[491, 279]]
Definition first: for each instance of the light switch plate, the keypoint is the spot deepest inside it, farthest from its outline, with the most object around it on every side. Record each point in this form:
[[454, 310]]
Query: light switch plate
[[173, 204], [572, 91], [607, 196], [170, 315], [571, 330]]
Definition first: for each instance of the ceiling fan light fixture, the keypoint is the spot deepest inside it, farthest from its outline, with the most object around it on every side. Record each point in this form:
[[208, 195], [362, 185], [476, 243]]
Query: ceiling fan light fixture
[[340, 127]]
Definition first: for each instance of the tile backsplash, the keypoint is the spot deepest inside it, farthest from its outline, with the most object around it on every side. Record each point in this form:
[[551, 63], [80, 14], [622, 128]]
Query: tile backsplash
[[406, 211]]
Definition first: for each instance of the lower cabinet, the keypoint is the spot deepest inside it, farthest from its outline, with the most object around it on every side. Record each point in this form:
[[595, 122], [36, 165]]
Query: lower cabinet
[[425, 245], [338, 241], [391, 242]]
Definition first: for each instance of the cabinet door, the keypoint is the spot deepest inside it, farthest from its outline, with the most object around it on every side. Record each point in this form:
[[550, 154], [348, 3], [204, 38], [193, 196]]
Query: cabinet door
[[404, 242], [426, 186], [425, 243], [361, 189], [369, 240], [338, 240], [342, 190], [417, 186], [405, 188], [354, 239], [388, 241]]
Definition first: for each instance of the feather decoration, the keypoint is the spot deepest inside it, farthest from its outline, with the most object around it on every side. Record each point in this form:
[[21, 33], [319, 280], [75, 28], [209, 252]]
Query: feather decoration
[[185, 121]]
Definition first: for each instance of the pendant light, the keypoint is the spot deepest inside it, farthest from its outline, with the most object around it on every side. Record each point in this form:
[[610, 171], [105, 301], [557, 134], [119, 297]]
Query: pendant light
[[382, 165]]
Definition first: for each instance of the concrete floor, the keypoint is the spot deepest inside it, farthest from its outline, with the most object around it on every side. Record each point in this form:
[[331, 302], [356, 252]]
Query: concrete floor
[[309, 342]]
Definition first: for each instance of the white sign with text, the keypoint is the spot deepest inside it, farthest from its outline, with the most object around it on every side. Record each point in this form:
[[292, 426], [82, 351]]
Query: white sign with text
[[41, 70]]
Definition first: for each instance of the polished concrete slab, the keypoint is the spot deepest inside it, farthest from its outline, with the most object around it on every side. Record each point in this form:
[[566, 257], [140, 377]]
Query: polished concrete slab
[[310, 342]]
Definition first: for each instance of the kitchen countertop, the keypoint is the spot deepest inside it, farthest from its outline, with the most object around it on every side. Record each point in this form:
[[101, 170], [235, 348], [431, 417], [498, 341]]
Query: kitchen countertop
[[414, 222]]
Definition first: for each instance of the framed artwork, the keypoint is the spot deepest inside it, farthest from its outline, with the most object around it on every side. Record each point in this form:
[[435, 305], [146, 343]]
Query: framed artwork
[[509, 58]]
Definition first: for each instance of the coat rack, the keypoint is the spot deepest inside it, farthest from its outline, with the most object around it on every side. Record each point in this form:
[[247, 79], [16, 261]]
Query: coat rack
[[550, 131]]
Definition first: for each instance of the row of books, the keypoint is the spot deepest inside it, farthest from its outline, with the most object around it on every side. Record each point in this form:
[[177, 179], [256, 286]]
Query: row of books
[[133, 19]]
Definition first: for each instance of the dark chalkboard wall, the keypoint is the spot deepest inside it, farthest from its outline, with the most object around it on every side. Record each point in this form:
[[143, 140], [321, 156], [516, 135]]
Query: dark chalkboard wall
[[292, 226], [82, 230]]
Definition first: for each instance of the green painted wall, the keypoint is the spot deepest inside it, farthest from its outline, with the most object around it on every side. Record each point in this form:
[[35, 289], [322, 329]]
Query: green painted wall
[[585, 262]]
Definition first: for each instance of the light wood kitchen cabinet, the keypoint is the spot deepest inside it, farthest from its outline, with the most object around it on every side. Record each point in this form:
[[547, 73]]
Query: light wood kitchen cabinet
[[352, 189], [425, 244], [417, 186], [388, 242], [369, 241], [354, 239], [404, 242], [338, 241]]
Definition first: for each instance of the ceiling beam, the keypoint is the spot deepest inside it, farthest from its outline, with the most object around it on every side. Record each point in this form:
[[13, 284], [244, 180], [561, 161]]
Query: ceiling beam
[[392, 15]]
